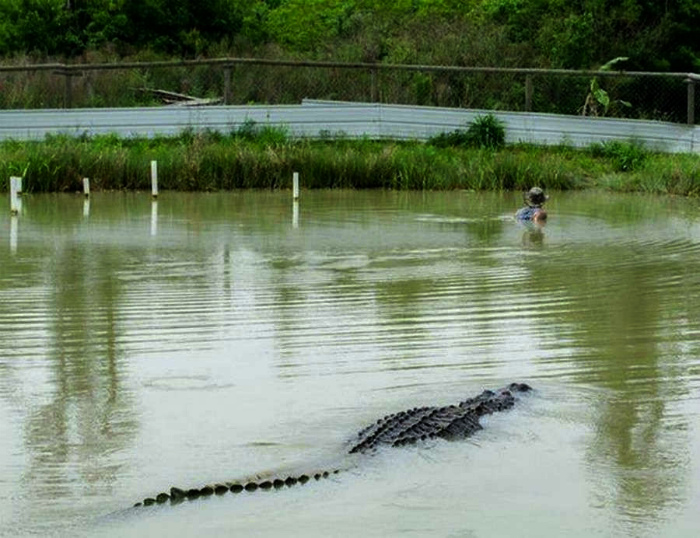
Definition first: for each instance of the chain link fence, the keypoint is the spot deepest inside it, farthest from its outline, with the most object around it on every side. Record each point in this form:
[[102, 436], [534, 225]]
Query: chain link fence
[[654, 96]]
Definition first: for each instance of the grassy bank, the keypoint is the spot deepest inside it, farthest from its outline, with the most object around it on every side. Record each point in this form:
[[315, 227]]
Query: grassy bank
[[266, 159]]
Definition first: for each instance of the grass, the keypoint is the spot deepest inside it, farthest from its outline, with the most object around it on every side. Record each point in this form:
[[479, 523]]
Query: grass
[[265, 159]]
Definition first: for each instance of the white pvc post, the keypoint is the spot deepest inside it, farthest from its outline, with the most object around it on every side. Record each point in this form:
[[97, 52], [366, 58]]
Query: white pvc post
[[86, 186], [14, 199], [154, 179], [19, 186], [295, 185]]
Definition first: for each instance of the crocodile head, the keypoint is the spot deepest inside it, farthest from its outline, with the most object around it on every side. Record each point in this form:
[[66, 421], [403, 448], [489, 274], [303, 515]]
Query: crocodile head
[[519, 387]]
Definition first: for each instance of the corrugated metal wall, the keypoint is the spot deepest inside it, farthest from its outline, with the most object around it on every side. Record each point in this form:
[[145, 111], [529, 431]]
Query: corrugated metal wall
[[352, 120]]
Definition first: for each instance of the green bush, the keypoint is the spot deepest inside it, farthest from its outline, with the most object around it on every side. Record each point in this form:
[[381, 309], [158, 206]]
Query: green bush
[[486, 132]]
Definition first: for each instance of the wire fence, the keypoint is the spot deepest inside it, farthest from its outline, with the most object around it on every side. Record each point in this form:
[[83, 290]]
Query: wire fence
[[638, 95]]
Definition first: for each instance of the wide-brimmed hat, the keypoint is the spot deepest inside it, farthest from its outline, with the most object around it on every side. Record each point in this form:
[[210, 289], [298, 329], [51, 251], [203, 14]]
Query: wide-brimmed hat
[[535, 197]]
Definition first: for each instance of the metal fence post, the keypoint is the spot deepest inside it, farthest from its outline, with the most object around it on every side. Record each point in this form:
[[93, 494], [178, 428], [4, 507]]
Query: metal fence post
[[528, 93], [691, 100], [68, 89], [68, 73], [227, 84], [374, 92]]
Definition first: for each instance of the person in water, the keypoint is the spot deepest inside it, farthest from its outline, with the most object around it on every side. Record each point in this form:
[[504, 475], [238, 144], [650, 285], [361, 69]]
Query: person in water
[[533, 211]]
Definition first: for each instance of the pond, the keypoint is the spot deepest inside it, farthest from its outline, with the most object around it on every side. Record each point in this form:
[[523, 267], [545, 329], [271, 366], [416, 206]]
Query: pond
[[210, 337]]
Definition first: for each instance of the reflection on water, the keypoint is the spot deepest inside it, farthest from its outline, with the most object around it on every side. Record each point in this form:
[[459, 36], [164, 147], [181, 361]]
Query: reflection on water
[[627, 306], [533, 235], [64, 343], [154, 218], [146, 346], [14, 226]]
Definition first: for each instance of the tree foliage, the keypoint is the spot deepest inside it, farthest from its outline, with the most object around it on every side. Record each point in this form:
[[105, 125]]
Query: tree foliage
[[654, 35]]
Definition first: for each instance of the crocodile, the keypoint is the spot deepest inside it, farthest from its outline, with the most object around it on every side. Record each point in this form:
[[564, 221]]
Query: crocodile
[[407, 427]]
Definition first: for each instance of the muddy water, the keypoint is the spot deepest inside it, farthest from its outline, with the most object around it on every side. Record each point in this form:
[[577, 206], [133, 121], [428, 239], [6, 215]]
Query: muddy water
[[215, 336]]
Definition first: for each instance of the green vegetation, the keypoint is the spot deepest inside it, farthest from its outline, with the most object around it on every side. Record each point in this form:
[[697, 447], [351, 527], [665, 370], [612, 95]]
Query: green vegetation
[[265, 159], [624, 156], [587, 33], [598, 100], [484, 132], [652, 36]]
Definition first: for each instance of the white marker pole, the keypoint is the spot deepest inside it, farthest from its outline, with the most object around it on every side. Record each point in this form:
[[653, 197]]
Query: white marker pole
[[86, 187], [295, 186], [154, 179], [14, 199], [19, 186]]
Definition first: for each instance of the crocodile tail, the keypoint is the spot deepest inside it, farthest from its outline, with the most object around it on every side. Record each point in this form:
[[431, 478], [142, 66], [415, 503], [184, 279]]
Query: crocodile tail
[[178, 495]]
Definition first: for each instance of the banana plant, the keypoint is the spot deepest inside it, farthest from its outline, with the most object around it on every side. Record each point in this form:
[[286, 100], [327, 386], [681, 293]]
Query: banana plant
[[598, 100]]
